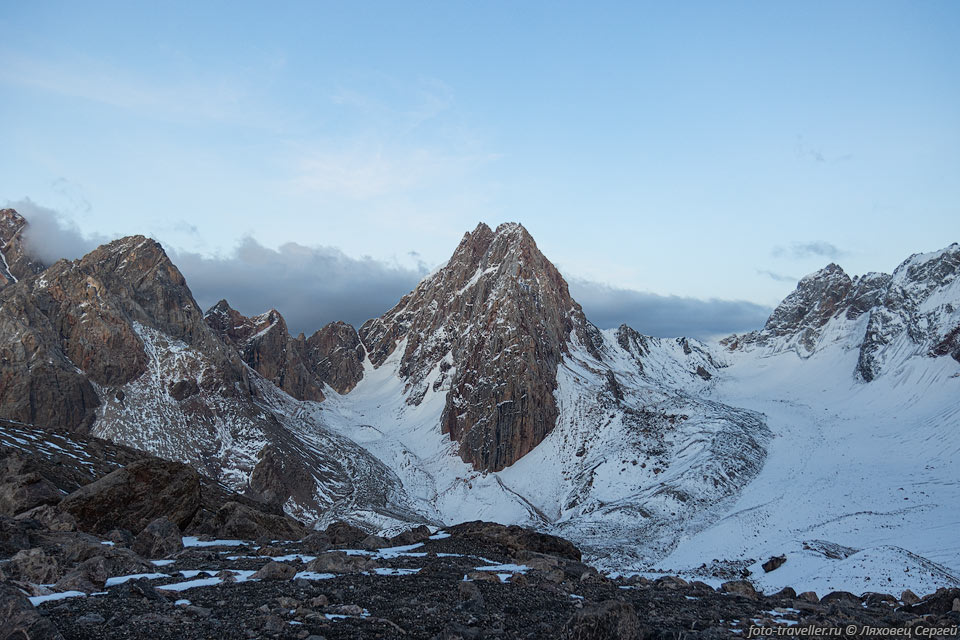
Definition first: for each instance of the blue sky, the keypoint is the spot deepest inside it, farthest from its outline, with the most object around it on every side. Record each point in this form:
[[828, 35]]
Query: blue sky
[[699, 150]]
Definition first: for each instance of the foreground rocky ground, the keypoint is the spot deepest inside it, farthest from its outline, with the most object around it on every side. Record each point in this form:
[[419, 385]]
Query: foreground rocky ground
[[99, 541]]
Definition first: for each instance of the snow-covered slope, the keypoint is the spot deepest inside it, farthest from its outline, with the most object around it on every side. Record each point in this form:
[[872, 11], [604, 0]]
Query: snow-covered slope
[[872, 468], [676, 455]]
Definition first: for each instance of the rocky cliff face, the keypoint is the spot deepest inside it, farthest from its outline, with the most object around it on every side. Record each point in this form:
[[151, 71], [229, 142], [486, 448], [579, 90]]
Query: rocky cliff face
[[886, 317], [74, 326], [15, 261], [490, 327], [917, 312], [114, 345], [300, 366]]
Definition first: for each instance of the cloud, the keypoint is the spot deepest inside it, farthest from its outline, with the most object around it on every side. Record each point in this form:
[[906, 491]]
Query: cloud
[[776, 276], [51, 236], [310, 286], [816, 248], [665, 316]]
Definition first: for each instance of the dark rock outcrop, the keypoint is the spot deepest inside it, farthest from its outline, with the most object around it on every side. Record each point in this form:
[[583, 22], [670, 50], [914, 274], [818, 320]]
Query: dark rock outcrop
[[21, 621], [300, 366], [237, 520], [159, 539], [517, 539], [604, 621], [134, 496]]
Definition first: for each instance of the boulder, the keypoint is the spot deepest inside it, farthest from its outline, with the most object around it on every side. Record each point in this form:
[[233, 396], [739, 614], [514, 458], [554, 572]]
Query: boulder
[[236, 520], [51, 517], [275, 571], [344, 533], [90, 576], [517, 539], [944, 600], [34, 565], [19, 493], [21, 621], [159, 539], [773, 563], [134, 496], [740, 587], [410, 536], [610, 620], [340, 562]]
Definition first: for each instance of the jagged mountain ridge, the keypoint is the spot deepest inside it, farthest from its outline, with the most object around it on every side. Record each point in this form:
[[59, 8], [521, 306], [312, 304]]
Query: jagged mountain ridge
[[886, 317], [300, 366], [647, 447], [115, 345]]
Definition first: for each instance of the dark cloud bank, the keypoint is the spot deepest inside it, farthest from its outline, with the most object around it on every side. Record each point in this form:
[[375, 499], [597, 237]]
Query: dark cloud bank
[[666, 316], [312, 286]]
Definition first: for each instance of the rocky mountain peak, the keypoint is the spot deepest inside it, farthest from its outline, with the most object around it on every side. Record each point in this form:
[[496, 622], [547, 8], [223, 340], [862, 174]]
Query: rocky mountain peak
[[816, 299], [489, 330], [917, 311], [15, 261], [300, 366]]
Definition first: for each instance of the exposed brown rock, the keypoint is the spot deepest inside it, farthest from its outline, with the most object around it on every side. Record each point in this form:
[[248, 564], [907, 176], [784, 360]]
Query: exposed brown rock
[[504, 315], [774, 563], [134, 496], [300, 366], [159, 539], [604, 621], [517, 539], [17, 262], [275, 571], [76, 323], [22, 492], [236, 520], [740, 587], [21, 621]]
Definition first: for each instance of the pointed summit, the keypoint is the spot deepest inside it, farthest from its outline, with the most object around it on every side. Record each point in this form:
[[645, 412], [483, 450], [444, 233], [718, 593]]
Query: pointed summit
[[489, 329], [15, 261]]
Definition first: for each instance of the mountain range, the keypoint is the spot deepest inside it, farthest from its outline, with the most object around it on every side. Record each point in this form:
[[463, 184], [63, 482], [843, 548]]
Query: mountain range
[[829, 436]]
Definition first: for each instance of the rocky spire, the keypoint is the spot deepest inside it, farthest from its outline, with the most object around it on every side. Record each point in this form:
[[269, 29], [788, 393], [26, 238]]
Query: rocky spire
[[490, 328], [300, 366], [15, 261]]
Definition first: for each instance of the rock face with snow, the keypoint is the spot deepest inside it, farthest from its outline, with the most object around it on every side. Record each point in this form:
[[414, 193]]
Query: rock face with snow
[[490, 327], [887, 317], [115, 345], [265, 345], [15, 260], [300, 366]]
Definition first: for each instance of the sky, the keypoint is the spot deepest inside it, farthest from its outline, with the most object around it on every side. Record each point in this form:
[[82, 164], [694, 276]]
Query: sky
[[683, 164]]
